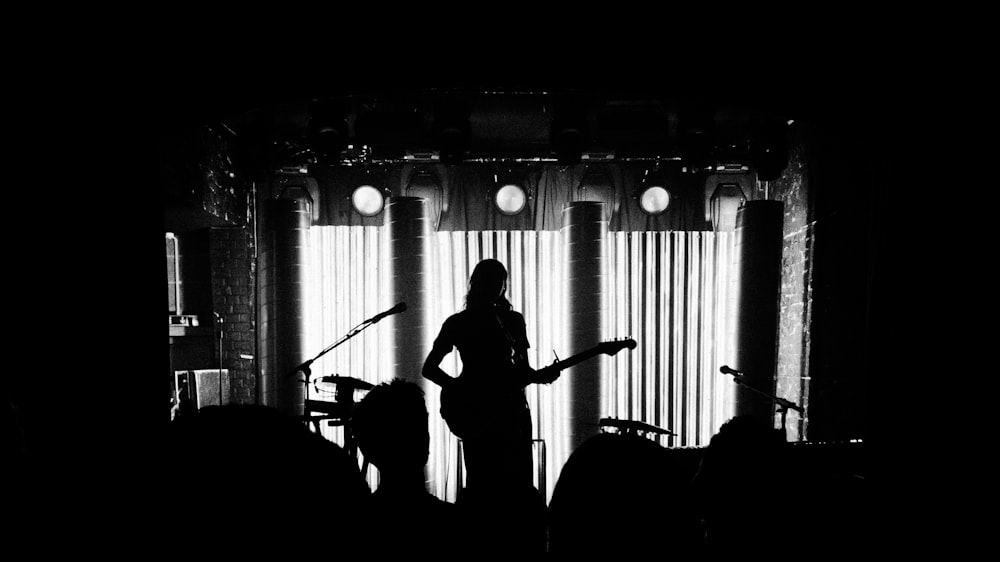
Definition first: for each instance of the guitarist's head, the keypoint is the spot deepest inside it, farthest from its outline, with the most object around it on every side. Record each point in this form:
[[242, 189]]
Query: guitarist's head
[[488, 286]]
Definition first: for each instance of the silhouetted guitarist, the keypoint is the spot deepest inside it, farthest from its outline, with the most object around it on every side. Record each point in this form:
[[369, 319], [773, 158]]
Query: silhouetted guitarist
[[486, 405]]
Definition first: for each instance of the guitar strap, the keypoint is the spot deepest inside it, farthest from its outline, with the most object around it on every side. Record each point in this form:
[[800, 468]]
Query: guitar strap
[[506, 332], [515, 351], [510, 339]]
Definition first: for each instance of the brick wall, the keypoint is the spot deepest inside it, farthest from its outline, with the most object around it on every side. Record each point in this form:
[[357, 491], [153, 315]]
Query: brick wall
[[795, 300], [198, 170], [233, 298]]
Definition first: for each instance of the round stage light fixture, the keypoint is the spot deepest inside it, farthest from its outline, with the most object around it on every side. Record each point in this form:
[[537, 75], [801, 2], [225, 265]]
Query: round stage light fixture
[[654, 200], [510, 199], [367, 200]]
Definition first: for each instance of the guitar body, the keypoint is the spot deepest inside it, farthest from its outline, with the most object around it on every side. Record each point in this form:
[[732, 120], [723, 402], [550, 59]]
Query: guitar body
[[456, 408], [472, 408]]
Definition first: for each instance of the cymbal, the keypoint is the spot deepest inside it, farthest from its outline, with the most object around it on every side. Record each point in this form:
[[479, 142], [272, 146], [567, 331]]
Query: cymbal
[[348, 382], [631, 425]]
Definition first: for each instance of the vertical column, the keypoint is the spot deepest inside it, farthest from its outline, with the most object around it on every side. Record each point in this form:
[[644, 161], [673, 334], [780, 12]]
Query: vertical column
[[409, 252], [283, 260], [584, 232], [757, 284]]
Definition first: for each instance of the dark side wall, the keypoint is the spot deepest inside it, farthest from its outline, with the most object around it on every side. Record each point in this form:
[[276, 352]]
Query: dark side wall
[[847, 179], [208, 204]]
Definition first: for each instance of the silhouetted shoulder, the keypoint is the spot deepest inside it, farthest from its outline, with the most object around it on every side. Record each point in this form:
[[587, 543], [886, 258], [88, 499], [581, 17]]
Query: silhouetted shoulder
[[456, 322], [518, 329], [514, 316], [450, 330]]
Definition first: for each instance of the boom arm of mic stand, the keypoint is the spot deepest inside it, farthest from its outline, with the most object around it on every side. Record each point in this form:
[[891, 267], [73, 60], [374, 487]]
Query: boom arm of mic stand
[[781, 402], [353, 332], [788, 404]]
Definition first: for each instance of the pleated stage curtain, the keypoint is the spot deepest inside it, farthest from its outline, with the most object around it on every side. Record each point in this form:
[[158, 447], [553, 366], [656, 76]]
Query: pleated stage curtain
[[667, 290], [671, 292]]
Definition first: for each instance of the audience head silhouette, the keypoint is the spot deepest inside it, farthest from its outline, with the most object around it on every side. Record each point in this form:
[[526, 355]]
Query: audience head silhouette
[[251, 469], [620, 496], [738, 478], [390, 426]]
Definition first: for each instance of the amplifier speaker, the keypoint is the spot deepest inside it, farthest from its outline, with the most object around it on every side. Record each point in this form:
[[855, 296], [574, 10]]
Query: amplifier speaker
[[202, 386]]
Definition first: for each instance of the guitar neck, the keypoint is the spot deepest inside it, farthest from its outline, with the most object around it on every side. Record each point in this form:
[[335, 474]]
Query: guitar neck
[[605, 348], [575, 359]]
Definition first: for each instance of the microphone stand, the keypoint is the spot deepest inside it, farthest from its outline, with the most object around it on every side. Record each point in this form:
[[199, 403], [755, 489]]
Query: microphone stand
[[304, 367], [782, 404], [220, 325], [307, 371]]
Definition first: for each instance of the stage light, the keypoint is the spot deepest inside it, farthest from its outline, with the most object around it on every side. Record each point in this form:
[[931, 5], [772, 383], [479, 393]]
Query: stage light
[[510, 199], [726, 200], [654, 195], [654, 200], [509, 194], [367, 200]]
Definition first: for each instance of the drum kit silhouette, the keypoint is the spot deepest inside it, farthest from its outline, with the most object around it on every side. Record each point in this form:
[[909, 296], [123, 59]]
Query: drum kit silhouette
[[337, 412]]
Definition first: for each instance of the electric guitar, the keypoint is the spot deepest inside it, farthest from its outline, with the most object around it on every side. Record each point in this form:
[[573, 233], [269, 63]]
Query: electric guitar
[[466, 408]]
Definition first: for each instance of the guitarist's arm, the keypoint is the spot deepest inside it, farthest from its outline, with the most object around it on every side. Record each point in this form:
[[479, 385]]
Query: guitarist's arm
[[528, 375], [432, 370], [545, 375]]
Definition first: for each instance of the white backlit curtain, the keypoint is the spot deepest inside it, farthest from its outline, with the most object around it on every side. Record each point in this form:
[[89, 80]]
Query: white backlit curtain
[[667, 290], [347, 283], [670, 292]]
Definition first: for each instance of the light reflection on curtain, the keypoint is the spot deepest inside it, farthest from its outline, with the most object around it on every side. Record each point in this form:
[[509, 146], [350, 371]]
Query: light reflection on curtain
[[348, 282], [668, 290]]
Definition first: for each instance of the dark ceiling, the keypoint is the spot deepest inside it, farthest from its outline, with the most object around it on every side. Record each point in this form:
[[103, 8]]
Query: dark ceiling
[[393, 109], [499, 122]]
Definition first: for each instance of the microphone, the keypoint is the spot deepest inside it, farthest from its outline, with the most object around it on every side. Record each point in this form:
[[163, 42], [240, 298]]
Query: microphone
[[725, 369], [394, 310], [304, 368]]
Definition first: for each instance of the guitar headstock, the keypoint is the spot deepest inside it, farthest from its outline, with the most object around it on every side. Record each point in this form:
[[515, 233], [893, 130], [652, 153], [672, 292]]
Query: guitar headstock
[[614, 346]]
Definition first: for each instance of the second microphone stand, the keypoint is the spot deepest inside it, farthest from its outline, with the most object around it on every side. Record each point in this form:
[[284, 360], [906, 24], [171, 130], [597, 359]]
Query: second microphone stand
[[782, 404]]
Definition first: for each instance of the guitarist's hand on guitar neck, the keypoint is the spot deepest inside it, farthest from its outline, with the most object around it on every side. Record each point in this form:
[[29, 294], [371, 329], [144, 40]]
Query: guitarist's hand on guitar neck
[[547, 375]]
